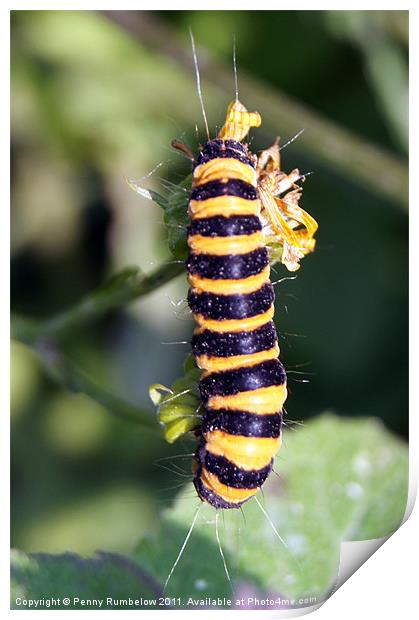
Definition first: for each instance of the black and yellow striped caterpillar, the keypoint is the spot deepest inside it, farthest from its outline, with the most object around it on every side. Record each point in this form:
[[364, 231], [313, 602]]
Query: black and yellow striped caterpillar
[[238, 203]]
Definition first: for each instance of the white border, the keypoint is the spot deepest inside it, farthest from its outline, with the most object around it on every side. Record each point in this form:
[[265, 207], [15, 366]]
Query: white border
[[385, 586]]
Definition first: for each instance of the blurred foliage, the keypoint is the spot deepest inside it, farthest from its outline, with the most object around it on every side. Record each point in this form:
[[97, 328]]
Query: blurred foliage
[[315, 504], [384, 61], [68, 575], [92, 104]]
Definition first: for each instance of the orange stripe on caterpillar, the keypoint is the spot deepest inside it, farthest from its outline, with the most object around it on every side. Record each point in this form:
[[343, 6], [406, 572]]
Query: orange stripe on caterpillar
[[230, 287], [216, 364], [262, 401], [225, 246]]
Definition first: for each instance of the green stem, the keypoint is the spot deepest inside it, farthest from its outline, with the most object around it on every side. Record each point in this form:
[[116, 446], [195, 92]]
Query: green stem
[[120, 290], [126, 286], [69, 376]]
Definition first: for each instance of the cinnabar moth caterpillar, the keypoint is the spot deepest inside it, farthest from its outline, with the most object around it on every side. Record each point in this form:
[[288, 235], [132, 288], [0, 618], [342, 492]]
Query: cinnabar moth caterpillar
[[238, 202]]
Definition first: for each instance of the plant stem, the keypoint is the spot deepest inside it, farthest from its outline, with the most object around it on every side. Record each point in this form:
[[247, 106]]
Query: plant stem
[[68, 375], [126, 286]]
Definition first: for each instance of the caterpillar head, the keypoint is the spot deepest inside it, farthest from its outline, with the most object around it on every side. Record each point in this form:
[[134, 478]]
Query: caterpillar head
[[238, 122]]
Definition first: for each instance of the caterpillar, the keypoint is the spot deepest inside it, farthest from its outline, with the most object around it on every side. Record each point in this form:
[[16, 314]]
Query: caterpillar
[[238, 205]]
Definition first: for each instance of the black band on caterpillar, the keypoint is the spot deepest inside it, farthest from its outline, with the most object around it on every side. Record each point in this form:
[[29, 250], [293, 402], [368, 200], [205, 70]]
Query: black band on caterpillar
[[235, 343], [242, 423], [234, 476], [232, 187], [242, 379], [210, 496], [233, 267], [221, 307], [219, 226], [224, 148]]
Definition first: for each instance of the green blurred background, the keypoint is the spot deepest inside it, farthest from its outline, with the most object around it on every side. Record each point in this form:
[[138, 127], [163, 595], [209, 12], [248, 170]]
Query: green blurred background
[[91, 103]]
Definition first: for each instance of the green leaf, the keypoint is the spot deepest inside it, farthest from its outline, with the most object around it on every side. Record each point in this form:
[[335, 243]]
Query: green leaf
[[138, 188], [178, 406], [337, 479], [176, 219], [175, 207], [275, 248], [162, 201], [40, 576]]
